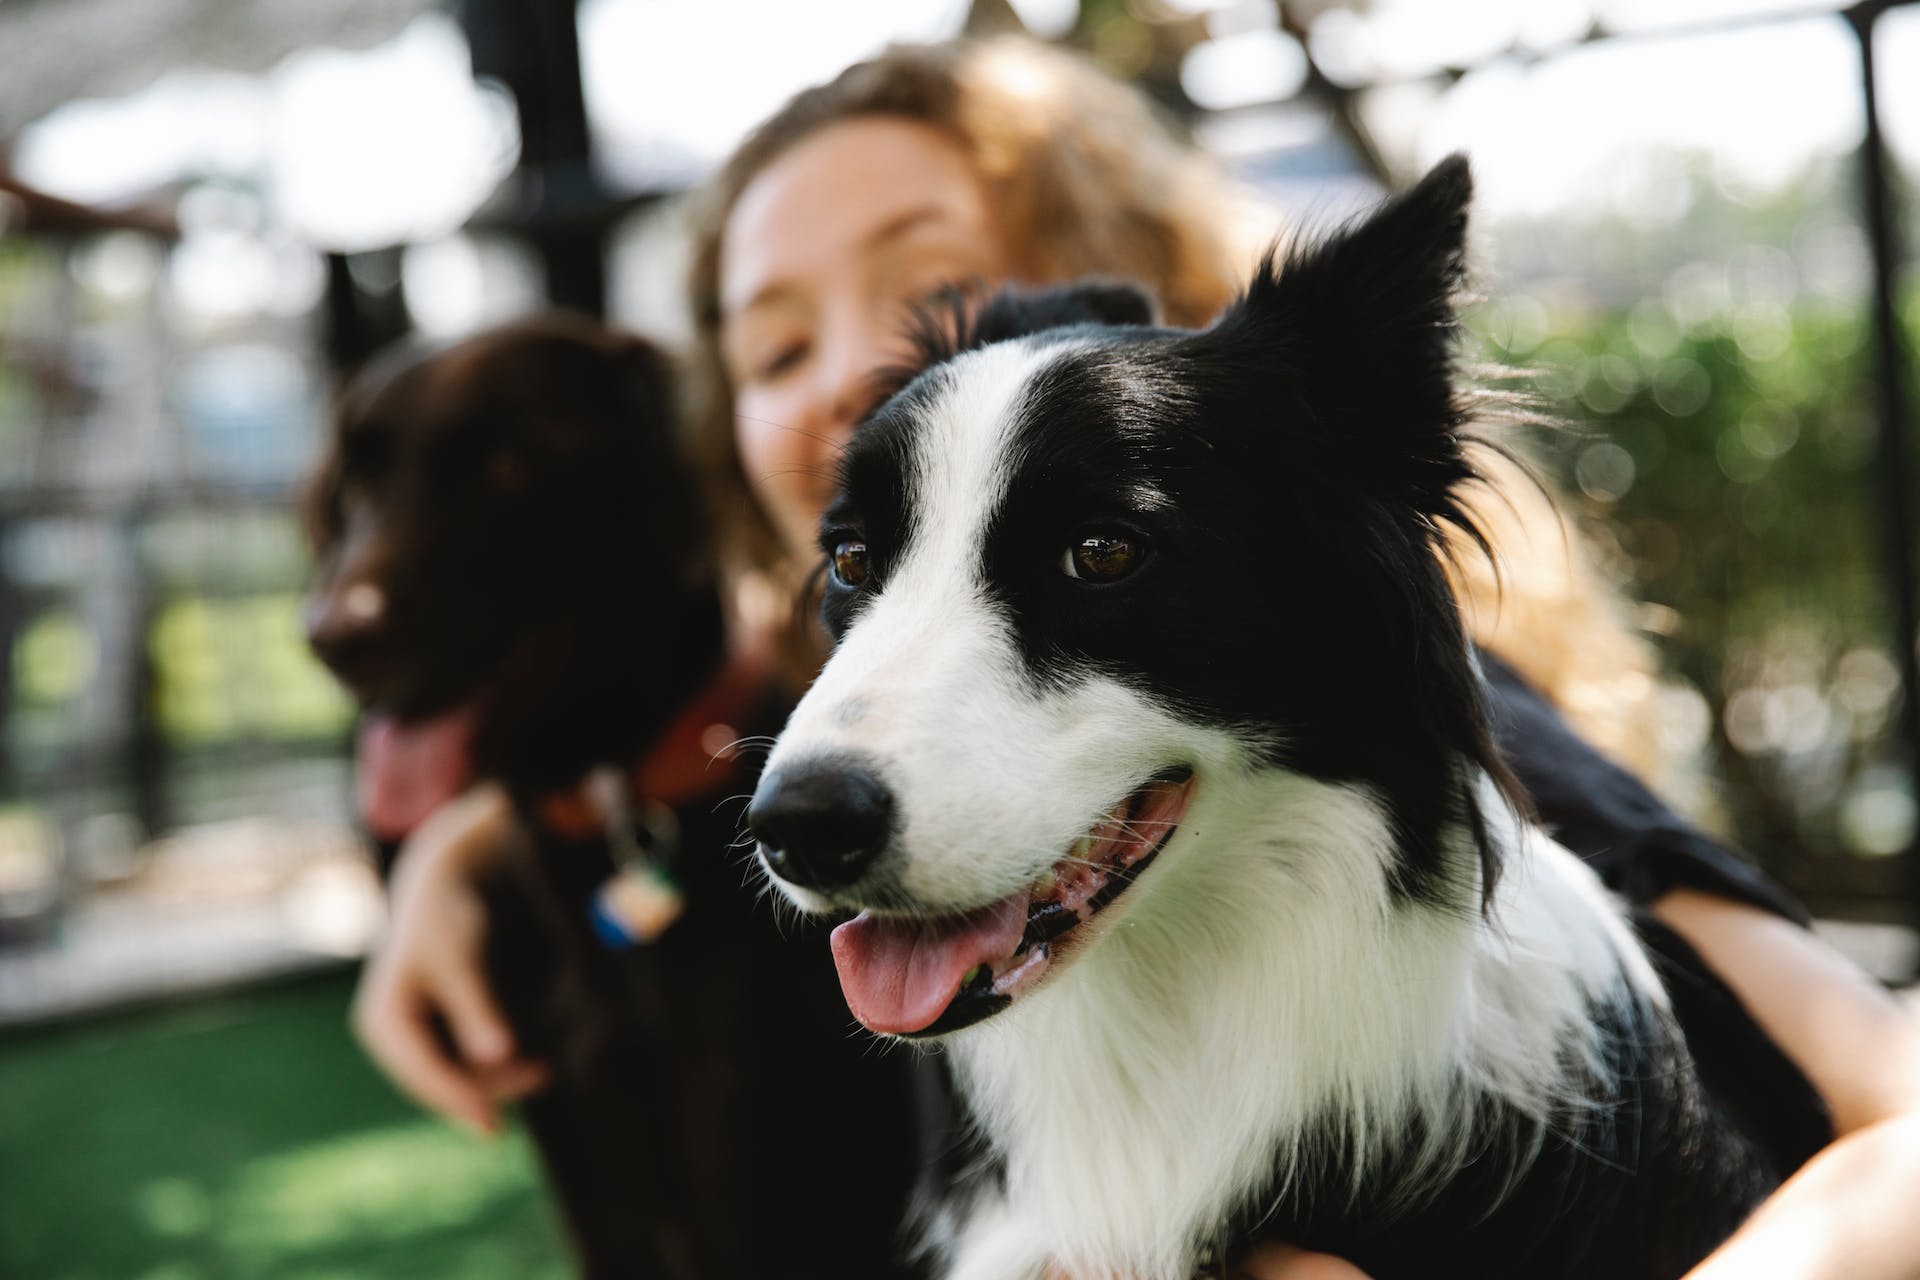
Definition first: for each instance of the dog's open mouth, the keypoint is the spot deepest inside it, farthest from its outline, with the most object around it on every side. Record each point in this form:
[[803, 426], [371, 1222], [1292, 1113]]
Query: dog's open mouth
[[406, 769], [926, 977]]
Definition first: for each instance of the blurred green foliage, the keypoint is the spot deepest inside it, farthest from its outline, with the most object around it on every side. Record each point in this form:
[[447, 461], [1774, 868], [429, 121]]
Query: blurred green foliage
[[240, 668], [1722, 452]]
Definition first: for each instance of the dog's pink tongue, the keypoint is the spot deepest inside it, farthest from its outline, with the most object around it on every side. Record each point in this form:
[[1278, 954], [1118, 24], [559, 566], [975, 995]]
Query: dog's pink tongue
[[404, 771], [900, 975]]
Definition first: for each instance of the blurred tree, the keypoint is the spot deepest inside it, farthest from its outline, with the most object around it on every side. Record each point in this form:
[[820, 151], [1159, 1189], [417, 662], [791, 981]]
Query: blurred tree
[[1718, 391]]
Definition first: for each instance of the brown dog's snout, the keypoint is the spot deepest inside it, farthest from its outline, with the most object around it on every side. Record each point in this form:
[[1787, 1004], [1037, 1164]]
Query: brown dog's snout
[[347, 625]]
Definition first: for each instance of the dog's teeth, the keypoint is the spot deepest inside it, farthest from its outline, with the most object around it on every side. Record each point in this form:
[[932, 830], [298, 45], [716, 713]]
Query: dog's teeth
[[1045, 885], [1081, 848]]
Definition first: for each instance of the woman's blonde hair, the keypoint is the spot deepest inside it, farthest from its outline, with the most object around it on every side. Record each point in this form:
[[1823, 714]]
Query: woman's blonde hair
[[1086, 179]]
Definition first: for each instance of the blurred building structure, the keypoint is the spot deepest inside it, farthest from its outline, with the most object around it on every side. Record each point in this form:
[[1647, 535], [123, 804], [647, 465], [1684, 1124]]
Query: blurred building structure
[[216, 210]]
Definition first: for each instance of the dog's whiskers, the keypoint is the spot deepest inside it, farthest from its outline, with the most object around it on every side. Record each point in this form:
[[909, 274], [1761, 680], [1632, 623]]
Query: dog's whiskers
[[745, 798], [820, 438], [741, 748]]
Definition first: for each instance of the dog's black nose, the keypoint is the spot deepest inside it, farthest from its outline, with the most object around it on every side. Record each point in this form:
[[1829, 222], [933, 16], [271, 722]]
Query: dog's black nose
[[821, 823]]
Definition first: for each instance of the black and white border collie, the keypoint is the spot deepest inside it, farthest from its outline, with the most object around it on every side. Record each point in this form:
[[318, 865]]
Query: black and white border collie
[[1152, 764]]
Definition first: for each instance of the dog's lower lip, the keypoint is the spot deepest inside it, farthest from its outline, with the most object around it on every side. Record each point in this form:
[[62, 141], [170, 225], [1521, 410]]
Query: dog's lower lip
[[1102, 864], [988, 989]]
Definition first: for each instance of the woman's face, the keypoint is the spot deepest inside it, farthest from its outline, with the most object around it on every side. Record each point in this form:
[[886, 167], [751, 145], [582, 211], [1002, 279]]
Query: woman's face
[[820, 257]]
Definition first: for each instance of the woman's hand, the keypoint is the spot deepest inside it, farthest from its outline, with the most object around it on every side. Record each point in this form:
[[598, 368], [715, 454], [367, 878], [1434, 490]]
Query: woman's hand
[[1277, 1262], [1284, 1262], [424, 1009], [1848, 1213]]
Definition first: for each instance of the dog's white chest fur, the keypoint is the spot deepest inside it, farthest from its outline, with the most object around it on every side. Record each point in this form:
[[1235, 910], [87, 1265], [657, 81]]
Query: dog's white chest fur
[[1271, 982]]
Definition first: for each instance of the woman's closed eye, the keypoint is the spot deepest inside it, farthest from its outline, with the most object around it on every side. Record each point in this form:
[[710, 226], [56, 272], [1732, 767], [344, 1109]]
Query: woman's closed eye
[[781, 360]]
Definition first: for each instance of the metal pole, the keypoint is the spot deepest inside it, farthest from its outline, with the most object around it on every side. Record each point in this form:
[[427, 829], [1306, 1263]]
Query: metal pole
[[1892, 453], [533, 48]]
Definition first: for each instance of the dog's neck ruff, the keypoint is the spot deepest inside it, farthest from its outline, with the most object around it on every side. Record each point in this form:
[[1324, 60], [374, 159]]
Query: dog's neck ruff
[[1241, 1038]]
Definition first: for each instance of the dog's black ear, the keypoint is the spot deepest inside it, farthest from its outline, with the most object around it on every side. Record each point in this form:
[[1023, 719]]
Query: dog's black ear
[[1349, 346], [1363, 324], [959, 320], [1016, 312]]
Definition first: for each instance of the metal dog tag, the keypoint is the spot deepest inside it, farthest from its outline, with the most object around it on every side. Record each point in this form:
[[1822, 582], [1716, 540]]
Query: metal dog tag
[[641, 900]]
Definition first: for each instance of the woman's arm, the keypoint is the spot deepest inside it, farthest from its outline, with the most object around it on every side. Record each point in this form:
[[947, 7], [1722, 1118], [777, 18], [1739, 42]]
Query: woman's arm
[[1851, 1210], [425, 1010]]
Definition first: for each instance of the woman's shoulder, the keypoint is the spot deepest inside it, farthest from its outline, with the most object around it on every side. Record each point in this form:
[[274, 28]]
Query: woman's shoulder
[[1640, 846]]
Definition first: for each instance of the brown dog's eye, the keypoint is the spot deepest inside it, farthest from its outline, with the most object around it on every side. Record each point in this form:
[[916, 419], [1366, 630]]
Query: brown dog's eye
[[1106, 555], [850, 563]]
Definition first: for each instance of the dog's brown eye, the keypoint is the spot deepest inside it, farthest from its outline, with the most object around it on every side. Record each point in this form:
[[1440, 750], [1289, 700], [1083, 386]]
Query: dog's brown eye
[[1104, 556], [850, 563]]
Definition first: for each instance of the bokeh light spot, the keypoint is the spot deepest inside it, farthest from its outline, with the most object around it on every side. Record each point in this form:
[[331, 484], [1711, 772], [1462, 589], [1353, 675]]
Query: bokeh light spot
[[1604, 471], [1682, 387], [174, 1207]]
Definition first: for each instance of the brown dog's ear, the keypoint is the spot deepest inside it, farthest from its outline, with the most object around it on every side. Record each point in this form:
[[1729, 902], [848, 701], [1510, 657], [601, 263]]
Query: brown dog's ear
[[644, 357], [653, 385]]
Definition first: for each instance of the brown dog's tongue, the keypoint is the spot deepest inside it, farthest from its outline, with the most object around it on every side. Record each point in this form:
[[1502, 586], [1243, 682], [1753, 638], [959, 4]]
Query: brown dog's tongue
[[404, 771], [900, 975]]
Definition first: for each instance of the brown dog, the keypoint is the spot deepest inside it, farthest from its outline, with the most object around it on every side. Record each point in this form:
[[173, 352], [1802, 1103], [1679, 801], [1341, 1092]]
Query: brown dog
[[510, 552], [512, 578]]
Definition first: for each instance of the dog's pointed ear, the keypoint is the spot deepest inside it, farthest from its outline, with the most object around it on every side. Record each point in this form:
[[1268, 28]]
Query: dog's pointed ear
[[1016, 312], [1389, 278], [958, 320], [1363, 323]]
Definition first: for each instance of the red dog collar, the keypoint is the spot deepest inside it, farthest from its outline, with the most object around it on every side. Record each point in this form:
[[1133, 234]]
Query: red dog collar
[[695, 757]]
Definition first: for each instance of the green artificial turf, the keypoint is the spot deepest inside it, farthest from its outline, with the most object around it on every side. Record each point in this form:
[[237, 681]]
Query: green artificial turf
[[248, 1137]]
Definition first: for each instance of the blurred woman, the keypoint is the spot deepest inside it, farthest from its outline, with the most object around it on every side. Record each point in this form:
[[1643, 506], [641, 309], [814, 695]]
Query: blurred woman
[[974, 163]]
